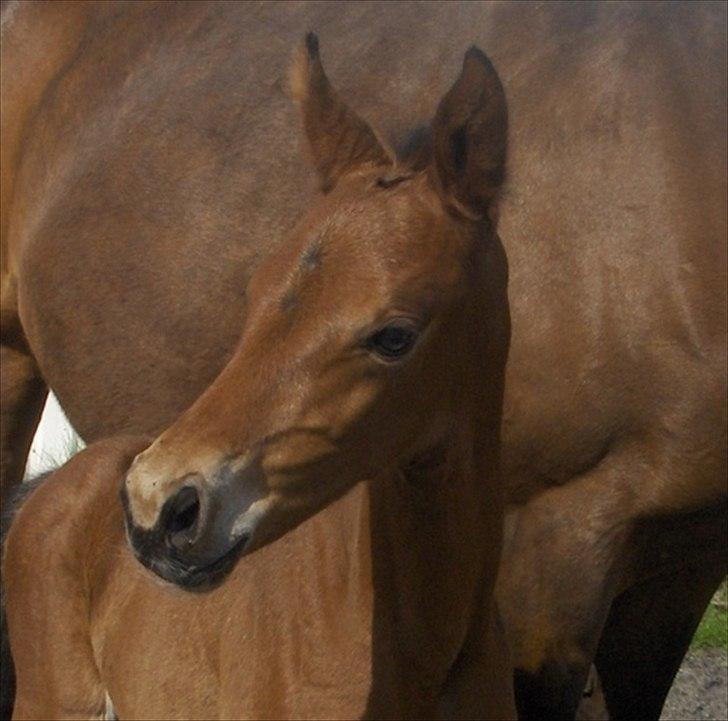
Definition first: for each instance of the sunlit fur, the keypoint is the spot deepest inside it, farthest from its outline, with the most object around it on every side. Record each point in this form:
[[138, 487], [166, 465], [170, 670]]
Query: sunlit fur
[[151, 161], [383, 472]]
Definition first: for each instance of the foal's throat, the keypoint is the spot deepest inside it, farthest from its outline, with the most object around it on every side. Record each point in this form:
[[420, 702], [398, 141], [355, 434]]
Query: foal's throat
[[428, 525]]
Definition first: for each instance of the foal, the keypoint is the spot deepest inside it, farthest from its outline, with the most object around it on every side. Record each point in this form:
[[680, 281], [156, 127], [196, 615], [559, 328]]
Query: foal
[[358, 422]]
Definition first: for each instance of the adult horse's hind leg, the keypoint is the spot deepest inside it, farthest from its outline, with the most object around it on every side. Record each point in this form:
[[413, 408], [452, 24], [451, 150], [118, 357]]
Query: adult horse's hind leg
[[651, 624], [7, 671], [23, 393]]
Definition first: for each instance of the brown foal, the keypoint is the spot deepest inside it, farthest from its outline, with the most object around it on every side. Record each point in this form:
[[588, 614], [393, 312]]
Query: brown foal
[[357, 425]]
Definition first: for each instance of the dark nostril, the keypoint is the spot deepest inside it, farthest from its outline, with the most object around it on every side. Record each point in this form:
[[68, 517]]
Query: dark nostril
[[181, 516], [185, 515]]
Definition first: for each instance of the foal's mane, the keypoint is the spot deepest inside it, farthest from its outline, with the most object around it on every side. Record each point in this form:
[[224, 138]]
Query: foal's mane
[[20, 494]]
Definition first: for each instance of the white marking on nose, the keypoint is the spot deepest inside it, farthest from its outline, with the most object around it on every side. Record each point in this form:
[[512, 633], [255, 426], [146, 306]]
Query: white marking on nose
[[247, 521], [154, 475]]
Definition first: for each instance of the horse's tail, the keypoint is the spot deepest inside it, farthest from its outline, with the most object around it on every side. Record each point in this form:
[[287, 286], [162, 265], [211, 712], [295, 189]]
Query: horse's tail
[[7, 668]]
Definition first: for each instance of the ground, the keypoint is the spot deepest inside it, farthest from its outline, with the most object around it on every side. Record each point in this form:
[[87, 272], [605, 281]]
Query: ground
[[700, 690]]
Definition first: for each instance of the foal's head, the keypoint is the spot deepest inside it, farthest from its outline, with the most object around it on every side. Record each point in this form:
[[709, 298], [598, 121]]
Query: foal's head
[[365, 338]]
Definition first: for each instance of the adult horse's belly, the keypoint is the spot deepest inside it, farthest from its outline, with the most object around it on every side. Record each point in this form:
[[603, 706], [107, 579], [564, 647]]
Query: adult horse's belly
[[164, 163]]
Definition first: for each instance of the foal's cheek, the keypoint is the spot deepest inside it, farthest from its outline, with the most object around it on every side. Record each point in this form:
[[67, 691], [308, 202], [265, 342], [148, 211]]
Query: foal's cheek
[[286, 461], [340, 404]]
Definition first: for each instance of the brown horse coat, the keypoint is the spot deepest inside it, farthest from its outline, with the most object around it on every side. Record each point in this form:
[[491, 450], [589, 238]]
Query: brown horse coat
[[373, 351], [304, 628], [156, 169]]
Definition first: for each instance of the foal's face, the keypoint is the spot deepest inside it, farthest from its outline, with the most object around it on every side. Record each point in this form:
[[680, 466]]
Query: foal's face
[[349, 362]]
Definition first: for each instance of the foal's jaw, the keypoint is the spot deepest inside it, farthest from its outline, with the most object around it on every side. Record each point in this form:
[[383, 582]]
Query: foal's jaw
[[370, 302]]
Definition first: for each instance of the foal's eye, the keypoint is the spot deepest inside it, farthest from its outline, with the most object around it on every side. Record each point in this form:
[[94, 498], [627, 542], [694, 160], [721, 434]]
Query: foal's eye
[[393, 341]]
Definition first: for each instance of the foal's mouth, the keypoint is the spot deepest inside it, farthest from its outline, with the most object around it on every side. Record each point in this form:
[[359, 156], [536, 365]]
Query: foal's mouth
[[196, 578], [169, 562], [189, 577]]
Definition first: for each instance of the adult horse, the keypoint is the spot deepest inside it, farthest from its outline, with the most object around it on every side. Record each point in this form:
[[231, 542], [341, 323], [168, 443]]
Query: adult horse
[[150, 169]]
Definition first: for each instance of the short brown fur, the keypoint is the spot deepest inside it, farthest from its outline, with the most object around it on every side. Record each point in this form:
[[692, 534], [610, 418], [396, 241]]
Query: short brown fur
[[158, 156], [380, 465]]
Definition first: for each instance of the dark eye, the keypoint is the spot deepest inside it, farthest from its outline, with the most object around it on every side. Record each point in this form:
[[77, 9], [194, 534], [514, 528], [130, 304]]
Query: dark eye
[[393, 341]]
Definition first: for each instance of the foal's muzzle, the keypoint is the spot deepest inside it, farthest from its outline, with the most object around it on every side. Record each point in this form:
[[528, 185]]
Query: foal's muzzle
[[175, 548]]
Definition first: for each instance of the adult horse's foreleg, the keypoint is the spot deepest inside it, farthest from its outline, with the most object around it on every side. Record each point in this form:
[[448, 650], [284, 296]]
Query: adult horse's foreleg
[[562, 561], [651, 624]]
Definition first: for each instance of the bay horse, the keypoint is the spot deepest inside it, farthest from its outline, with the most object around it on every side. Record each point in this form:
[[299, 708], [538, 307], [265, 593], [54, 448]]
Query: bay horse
[[373, 349], [148, 170]]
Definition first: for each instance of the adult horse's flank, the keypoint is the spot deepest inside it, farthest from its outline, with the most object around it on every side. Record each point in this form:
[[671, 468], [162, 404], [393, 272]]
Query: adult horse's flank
[[148, 170], [373, 348]]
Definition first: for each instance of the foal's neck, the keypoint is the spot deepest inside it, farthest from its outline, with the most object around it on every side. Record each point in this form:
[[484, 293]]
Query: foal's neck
[[429, 527], [436, 524]]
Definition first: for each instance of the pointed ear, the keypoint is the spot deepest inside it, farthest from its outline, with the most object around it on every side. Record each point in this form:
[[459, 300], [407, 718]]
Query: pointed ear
[[340, 140], [469, 137]]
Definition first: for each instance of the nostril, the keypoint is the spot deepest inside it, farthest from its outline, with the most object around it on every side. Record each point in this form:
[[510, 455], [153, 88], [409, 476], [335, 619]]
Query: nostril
[[180, 520], [185, 517]]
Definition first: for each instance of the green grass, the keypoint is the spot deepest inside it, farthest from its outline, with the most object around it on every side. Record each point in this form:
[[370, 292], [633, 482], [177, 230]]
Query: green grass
[[713, 629]]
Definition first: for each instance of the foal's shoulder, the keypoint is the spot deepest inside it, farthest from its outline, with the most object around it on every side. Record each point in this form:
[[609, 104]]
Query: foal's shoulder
[[57, 550], [62, 513]]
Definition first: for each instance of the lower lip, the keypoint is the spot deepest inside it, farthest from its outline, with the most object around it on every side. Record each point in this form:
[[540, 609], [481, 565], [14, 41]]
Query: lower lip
[[202, 578]]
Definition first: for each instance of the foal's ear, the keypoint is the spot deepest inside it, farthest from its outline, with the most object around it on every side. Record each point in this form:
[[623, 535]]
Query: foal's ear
[[340, 140], [469, 136]]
